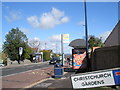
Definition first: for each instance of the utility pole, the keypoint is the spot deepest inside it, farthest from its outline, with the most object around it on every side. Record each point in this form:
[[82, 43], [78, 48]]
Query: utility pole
[[86, 34], [56, 48], [45, 45]]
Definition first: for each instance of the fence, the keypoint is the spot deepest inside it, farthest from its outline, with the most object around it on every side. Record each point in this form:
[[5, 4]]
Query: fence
[[105, 58]]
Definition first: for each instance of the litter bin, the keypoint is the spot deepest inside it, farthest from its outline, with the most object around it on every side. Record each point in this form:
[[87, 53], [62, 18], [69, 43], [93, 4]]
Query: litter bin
[[58, 71]]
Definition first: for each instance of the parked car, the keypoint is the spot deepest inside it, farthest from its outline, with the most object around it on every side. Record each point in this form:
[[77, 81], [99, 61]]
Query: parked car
[[54, 60]]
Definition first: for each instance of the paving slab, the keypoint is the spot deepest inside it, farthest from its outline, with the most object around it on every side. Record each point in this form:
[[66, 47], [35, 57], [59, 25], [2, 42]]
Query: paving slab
[[25, 79]]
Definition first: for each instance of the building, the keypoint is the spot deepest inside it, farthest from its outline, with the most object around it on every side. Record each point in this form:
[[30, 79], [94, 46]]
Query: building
[[114, 38], [35, 50]]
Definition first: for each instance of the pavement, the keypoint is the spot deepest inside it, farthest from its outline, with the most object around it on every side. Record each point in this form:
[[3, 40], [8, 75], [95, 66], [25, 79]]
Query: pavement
[[63, 83], [55, 83]]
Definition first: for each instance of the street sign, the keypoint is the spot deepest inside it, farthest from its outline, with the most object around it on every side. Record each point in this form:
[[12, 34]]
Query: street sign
[[96, 79], [65, 38], [20, 51]]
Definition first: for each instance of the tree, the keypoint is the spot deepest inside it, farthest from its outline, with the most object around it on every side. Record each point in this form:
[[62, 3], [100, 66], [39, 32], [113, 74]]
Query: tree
[[55, 55], [95, 42], [46, 54], [34, 43], [3, 57], [13, 40]]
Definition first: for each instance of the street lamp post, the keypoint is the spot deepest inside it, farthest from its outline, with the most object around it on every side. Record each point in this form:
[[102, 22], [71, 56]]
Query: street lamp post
[[86, 35]]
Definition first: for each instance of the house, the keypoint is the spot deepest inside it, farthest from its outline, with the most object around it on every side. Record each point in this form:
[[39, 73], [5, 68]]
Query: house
[[114, 38], [35, 50]]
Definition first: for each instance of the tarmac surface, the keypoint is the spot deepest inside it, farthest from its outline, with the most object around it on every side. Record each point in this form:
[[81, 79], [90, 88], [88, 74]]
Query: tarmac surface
[[43, 79], [23, 68]]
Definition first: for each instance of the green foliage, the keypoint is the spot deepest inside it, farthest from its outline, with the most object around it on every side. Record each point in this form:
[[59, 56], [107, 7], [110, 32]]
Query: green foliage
[[3, 58], [55, 55], [95, 42], [13, 40], [46, 54], [27, 52]]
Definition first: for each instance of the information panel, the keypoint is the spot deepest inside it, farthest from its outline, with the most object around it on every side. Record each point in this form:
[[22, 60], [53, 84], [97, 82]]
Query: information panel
[[79, 58]]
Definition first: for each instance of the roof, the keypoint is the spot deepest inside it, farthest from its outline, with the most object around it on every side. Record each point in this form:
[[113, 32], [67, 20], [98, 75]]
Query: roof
[[35, 53], [78, 43], [34, 50], [118, 24]]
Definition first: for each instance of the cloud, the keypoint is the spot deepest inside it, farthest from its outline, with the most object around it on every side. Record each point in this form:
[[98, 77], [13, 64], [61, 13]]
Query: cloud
[[24, 30], [81, 23], [105, 35], [67, 49], [13, 16], [33, 20], [55, 38], [49, 19], [54, 43], [64, 20]]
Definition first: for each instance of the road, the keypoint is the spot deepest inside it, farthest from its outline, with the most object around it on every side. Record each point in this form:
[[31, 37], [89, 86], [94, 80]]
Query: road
[[15, 70], [24, 76]]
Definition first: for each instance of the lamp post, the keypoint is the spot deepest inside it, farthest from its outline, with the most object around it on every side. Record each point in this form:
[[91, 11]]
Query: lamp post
[[86, 35]]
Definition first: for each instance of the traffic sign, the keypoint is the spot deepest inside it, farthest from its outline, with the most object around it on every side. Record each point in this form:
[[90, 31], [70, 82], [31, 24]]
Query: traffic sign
[[20, 51], [96, 79], [116, 74]]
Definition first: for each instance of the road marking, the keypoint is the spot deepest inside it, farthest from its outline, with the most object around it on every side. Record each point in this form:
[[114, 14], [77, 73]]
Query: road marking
[[22, 72]]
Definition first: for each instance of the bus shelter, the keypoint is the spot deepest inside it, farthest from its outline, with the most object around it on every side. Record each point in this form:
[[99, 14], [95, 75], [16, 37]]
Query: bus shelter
[[78, 54]]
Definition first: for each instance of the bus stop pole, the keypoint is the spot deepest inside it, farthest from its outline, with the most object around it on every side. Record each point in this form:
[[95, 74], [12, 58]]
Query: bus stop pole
[[62, 50]]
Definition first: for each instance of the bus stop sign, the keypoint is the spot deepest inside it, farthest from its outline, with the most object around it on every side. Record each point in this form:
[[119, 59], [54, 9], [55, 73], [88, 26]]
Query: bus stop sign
[[20, 51]]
